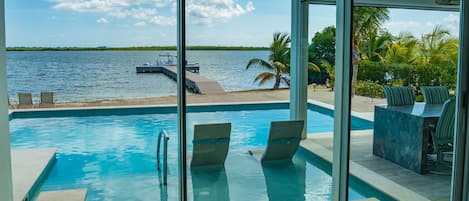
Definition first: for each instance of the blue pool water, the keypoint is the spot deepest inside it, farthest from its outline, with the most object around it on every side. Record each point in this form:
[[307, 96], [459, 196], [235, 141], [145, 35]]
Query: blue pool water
[[113, 156]]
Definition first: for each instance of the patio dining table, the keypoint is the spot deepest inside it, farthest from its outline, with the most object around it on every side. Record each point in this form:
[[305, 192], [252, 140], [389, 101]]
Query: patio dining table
[[402, 133]]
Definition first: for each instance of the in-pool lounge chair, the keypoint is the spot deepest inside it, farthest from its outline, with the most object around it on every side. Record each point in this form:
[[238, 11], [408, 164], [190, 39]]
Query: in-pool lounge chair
[[399, 96], [47, 98], [25, 99], [443, 137], [211, 143], [284, 139], [435, 94]]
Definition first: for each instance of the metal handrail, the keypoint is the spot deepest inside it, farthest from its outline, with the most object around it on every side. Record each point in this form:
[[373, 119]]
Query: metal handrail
[[164, 134]]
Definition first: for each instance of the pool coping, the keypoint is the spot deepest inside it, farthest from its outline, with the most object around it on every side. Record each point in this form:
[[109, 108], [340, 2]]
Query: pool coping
[[144, 106], [12, 112]]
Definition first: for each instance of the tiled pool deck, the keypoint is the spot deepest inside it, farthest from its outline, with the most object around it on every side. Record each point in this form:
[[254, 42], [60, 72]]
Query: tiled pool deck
[[389, 178]]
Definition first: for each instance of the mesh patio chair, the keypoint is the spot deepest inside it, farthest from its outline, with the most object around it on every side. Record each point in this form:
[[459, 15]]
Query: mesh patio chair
[[399, 96], [25, 99], [435, 94], [47, 98], [443, 137]]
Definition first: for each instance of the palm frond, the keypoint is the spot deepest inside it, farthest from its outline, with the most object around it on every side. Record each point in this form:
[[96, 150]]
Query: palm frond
[[312, 66], [256, 62], [262, 78]]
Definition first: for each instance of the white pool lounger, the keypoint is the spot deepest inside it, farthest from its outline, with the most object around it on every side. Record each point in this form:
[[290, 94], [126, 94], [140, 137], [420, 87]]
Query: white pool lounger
[[211, 143], [284, 140]]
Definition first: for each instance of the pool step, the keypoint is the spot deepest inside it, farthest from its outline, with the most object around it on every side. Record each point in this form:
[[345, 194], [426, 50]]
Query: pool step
[[29, 168], [69, 195]]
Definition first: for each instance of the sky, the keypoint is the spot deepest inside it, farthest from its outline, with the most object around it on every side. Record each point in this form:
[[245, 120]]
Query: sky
[[123, 23]]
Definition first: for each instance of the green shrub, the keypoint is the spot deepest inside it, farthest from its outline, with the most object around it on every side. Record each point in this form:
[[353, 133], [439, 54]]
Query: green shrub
[[373, 71], [419, 98], [407, 74], [403, 72], [370, 89]]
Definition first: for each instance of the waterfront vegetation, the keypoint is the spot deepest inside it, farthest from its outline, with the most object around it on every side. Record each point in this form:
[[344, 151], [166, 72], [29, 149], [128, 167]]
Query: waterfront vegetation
[[278, 64], [382, 59]]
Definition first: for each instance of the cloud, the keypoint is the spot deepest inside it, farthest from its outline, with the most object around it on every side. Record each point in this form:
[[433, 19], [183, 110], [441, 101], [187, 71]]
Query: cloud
[[452, 23], [102, 20], [452, 19], [210, 11], [199, 11], [161, 20], [396, 27], [418, 28], [140, 24]]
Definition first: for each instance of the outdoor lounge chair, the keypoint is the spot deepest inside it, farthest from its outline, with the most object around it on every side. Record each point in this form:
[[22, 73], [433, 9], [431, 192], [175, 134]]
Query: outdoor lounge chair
[[10, 106], [25, 99], [47, 98], [435, 94], [399, 96], [211, 142], [443, 137], [284, 139]]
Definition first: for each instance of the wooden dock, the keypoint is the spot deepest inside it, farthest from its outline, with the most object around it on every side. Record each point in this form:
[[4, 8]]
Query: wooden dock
[[195, 82], [194, 68]]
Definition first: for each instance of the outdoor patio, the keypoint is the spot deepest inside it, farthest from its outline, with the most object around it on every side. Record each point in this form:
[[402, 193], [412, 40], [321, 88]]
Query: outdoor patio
[[390, 178]]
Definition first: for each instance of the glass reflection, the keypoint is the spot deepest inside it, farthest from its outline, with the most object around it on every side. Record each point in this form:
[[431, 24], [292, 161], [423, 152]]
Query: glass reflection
[[210, 184], [285, 180]]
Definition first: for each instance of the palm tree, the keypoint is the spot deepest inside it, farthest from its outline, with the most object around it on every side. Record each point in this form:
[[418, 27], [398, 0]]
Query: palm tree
[[437, 48], [402, 50], [278, 65], [330, 69], [375, 46], [366, 21], [279, 62]]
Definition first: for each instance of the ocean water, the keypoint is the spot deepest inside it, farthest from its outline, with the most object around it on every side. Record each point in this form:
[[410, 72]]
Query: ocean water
[[107, 75]]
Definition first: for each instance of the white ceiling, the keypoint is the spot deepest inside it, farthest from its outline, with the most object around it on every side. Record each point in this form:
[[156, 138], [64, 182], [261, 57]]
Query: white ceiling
[[406, 4]]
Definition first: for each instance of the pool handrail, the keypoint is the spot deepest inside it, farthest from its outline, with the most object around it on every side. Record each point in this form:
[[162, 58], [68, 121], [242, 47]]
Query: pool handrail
[[164, 134]]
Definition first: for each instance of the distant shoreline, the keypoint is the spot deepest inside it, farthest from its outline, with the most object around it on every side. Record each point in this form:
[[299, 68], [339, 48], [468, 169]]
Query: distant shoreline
[[147, 48]]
